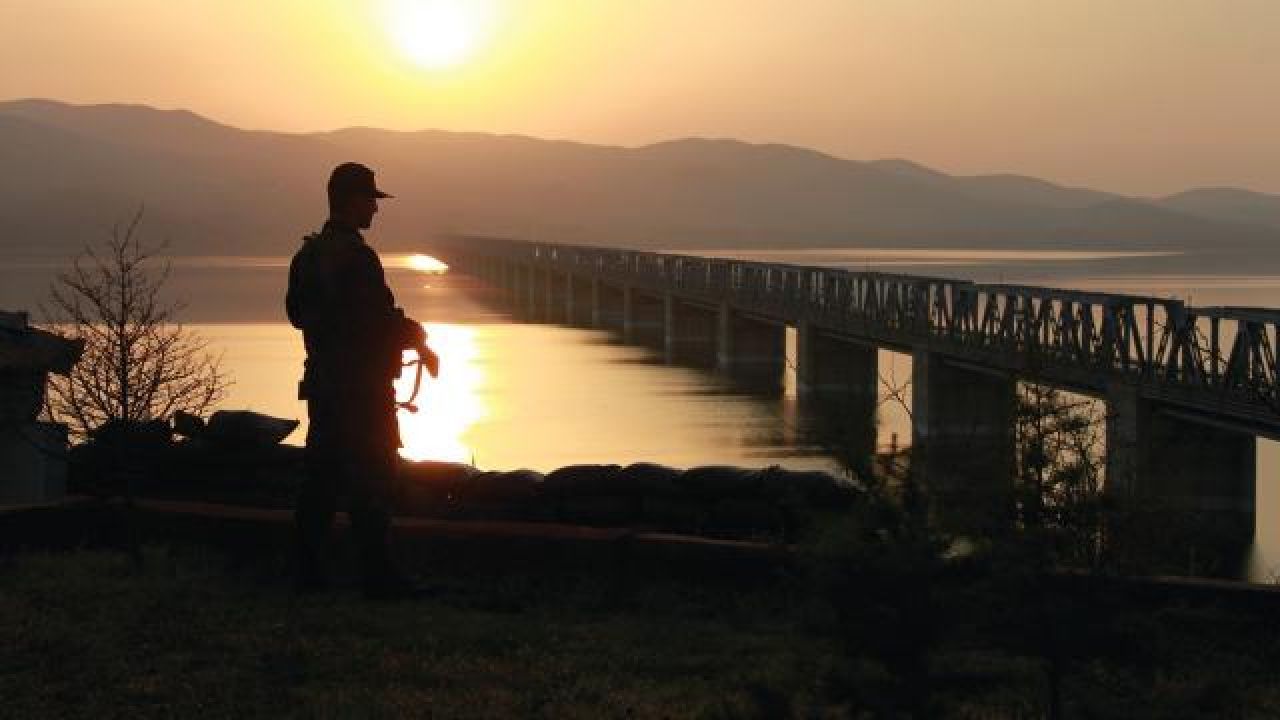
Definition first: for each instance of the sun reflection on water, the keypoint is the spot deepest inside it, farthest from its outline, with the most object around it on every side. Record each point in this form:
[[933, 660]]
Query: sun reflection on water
[[425, 264], [449, 405]]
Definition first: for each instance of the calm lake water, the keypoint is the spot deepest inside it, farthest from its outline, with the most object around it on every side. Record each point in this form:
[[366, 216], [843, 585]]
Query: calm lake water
[[516, 395]]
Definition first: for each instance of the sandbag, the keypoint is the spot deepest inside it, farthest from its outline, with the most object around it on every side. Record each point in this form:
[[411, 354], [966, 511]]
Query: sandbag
[[650, 480], [501, 488], [711, 482], [745, 516], [429, 487], [116, 450], [671, 513], [599, 510], [188, 425], [582, 481], [436, 473], [247, 429], [814, 488]]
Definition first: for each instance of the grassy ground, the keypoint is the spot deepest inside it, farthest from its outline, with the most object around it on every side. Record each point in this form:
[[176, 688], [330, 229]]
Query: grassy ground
[[90, 634]]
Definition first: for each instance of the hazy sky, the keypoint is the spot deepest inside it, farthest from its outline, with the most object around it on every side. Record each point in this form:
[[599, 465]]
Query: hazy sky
[[1138, 96]]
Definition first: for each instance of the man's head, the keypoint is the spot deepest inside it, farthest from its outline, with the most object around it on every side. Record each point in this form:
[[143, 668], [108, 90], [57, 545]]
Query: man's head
[[353, 195]]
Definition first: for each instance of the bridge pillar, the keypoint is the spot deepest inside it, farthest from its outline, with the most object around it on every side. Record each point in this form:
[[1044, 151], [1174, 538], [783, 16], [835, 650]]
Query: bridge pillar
[[507, 281], [519, 289], [690, 333], [553, 308], [751, 352], [628, 314], [825, 363], [535, 300], [724, 338], [839, 386], [1184, 486], [643, 319], [595, 303], [569, 309], [804, 355], [963, 434], [610, 310], [669, 327], [579, 305], [513, 286]]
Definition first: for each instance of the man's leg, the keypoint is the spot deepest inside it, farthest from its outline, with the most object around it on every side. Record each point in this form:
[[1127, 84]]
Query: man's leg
[[371, 502], [313, 518]]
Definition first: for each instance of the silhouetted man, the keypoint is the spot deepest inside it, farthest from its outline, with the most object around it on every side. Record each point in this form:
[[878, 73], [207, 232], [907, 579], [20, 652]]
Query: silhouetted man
[[354, 335]]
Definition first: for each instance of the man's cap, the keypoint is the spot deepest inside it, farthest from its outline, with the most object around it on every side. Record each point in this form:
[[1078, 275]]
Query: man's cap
[[354, 180]]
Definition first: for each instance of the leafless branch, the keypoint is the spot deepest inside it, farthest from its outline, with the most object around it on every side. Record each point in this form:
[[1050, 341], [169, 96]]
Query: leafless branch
[[139, 364]]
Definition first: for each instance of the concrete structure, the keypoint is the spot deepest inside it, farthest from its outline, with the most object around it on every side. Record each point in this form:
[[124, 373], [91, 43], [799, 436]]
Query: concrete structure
[[32, 453], [962, 425], [1187, 388]]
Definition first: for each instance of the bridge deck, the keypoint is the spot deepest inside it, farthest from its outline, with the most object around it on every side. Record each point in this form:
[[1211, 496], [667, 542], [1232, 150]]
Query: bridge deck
[[1220, 361]]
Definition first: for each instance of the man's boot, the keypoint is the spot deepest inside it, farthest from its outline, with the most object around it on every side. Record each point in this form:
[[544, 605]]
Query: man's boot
[[381, 579], [311, 536], [308, 573]]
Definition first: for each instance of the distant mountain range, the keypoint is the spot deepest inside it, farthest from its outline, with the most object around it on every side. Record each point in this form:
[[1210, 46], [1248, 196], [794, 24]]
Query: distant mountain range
[[67, 172]]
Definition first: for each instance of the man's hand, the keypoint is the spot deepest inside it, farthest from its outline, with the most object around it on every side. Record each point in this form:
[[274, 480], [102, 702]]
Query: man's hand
[[414, 337], [429, 359], [412, 334]]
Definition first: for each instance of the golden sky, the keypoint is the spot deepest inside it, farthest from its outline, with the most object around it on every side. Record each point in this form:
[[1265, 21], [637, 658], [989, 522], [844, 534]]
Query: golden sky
[[1140, 96]]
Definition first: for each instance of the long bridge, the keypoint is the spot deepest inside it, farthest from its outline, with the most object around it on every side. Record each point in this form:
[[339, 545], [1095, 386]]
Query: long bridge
[[1187, 389]]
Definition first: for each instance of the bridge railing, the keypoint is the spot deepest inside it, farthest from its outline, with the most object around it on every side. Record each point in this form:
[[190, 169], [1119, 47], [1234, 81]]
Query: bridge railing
[[1223, 353]]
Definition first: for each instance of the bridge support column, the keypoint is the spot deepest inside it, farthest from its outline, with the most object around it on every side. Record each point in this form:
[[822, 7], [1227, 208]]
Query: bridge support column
[[535, 302], [839, 386], [1185, 486], [579, 302], [643, 319], [825, 363], [554, 307], [669, 328], [595, 303], [628, 315], [751, 352], [507, 277], [521, 289], [805, 334], [515, 282], [610, 310], [690, 333], [724, 338], [569, 309], [963, 434]]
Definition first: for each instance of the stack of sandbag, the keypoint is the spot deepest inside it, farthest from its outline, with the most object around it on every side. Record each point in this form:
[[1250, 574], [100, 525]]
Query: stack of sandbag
[[664, 503], [429, 487], [732, 500], [505, 495], [773, 500], [605, 495], [120, 457], [233, 432], [236, 455], [457, 490], [715, 499]]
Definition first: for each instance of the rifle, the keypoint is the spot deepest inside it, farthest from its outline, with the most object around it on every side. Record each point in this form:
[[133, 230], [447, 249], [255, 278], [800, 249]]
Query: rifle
[[424, 357]]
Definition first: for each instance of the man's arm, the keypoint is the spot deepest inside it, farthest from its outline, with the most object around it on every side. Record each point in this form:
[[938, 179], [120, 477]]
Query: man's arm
[[373, 304], [293, 301]]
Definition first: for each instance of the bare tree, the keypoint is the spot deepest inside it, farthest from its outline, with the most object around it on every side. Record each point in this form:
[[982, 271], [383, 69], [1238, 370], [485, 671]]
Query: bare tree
[[139, 364]]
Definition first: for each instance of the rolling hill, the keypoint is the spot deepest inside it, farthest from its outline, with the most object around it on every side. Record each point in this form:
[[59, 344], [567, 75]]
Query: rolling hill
[[212, 189]]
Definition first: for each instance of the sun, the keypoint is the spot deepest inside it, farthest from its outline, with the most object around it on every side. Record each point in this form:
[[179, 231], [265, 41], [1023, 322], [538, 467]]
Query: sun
[[437, 34]]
